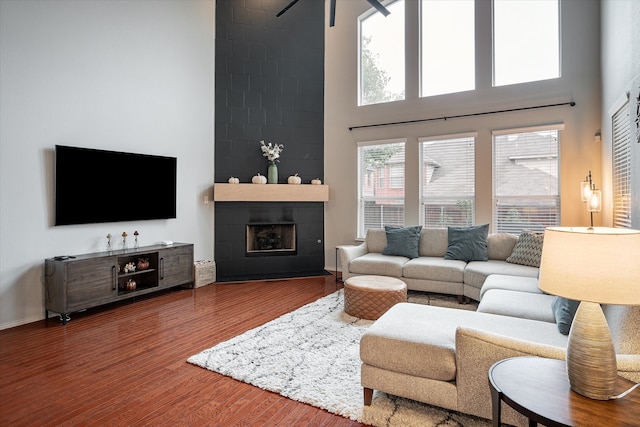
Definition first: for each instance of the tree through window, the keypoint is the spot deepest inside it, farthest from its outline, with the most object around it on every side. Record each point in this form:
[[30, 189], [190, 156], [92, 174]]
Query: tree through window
[[381, 73]]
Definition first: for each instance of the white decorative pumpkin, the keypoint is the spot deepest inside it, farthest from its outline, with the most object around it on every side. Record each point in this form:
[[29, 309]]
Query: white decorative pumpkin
[[259, 179], [234, 180], [316, 181], [294, 179]]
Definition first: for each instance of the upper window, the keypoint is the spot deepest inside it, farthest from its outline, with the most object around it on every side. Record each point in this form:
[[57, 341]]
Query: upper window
[[380, 185], [447, 46], [381, 65], [526, 41], [447, 181], [525, 180]]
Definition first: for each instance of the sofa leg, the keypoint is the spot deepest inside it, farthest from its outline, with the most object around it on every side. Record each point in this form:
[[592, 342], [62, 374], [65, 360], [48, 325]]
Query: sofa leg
[[368, 396], [460, 299], [467, 300]]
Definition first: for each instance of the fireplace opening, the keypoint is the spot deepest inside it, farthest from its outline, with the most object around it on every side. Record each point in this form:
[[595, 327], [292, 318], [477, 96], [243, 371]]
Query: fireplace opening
[[271, 239]]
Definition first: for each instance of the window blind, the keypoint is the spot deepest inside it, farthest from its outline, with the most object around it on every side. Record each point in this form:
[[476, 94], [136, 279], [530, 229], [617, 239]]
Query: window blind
[[447, 182], [525, 179], [621, 168], [381, 173]]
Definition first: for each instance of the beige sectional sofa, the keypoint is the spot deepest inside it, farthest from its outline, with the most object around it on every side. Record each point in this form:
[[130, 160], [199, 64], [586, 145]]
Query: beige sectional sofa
[[441, 356], [430, 271]]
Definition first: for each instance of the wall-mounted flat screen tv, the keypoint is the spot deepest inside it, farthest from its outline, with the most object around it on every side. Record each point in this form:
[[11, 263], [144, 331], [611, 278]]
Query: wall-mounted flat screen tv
[[96, 186]]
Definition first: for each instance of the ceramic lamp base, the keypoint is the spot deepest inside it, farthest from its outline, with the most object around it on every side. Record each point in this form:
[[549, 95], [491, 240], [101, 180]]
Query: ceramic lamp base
[[591, 357]]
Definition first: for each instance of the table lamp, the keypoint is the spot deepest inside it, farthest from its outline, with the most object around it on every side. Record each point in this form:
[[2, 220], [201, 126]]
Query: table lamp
[[590, 194], [594, 265]]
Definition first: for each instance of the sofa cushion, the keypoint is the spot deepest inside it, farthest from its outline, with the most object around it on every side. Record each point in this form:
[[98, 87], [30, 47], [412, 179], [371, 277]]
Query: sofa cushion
[[435, 268], [528, 249], [468, 243], [419, 340], [433, 242], [510, 283], [378, 265], [524, 305], [476, 272], [564, 310], [500, 245], [376, 240], [402, 241]]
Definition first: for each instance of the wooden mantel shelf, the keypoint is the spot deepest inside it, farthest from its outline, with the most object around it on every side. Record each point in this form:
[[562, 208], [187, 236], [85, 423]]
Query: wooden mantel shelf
[[270, 193]]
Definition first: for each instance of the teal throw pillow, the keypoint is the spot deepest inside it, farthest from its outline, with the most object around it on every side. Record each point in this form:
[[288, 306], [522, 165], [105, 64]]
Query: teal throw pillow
[[564, 310], [402, 241], [468, 243]]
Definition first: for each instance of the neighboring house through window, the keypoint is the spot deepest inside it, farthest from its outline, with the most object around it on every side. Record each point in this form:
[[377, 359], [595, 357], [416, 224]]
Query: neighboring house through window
[[525, 179], [380, 184], [447, 181]]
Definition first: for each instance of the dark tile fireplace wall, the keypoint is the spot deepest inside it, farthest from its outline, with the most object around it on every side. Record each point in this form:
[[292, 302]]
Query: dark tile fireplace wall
[[232, 263], [269, 85]]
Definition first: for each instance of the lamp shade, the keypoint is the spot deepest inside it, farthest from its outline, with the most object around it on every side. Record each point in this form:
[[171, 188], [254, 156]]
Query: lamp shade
[[594, 202], [600, 264], [585, 190]]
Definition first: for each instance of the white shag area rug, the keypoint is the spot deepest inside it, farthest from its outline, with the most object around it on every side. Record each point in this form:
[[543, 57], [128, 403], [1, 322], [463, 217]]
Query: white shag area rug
[[312, 355]]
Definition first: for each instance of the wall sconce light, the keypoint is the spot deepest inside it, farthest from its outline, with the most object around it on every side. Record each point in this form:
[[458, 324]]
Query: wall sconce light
[[591, 195]]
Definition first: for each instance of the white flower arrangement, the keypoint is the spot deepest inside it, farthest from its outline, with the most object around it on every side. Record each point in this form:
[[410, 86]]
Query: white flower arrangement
[[271, 151]]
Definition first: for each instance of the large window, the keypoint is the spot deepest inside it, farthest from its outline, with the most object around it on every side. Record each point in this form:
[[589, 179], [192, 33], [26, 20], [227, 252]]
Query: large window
[[382, 65], [525, 180], [380, 185], [447, 46], [621, 129], [526, 41], [447, 181]]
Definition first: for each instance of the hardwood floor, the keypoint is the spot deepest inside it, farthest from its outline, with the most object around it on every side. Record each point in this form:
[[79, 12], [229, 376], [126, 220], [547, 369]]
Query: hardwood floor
[[125, 364]]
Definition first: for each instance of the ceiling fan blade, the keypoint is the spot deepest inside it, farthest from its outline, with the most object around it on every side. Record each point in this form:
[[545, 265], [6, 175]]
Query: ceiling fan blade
[[286, 8], [379, 6], [332, 18]]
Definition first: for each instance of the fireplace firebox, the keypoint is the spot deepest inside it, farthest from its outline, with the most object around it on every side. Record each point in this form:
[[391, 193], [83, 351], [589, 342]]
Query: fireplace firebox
[[271, 239]]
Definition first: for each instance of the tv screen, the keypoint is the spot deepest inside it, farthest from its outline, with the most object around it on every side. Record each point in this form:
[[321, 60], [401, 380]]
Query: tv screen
[[96, 186]]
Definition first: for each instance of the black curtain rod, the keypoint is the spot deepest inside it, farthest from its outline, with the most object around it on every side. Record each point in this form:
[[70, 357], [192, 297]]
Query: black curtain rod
[[445, 118]]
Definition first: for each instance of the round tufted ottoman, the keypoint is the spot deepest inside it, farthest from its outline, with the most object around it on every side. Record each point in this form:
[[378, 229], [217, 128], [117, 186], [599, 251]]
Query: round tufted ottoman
[[369, 297]]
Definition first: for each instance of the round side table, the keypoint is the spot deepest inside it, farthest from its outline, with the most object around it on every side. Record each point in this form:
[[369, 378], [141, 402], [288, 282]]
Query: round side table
[[539, 389]]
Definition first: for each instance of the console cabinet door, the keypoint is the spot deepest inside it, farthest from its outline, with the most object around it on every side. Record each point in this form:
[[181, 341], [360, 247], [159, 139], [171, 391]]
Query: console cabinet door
[[176, 265], [91, 282]]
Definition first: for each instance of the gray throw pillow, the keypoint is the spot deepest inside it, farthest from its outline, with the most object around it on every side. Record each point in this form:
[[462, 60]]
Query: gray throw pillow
[[468, 243], [402, 241], [528, 249], [564, 310]]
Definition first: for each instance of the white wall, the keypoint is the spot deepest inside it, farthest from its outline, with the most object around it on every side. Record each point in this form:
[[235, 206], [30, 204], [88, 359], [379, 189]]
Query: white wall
[[580, 82], [120, 75], [620, 79]]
